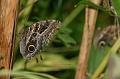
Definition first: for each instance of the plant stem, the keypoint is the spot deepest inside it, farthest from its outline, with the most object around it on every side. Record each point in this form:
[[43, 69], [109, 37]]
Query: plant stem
[[90, 20]]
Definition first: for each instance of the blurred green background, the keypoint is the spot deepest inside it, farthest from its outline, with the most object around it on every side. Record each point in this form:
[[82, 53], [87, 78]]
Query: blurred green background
[[60, 56]]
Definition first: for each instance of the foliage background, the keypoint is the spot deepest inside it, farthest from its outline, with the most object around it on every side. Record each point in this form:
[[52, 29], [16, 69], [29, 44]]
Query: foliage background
[[60, 57]]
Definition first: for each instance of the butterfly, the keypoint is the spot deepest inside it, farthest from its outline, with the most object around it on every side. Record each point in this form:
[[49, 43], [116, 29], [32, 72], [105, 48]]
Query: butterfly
[[106, 36], [37, 36]]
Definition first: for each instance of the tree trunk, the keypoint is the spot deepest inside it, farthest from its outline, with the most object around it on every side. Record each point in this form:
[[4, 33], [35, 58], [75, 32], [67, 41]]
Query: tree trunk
[[8, 14]]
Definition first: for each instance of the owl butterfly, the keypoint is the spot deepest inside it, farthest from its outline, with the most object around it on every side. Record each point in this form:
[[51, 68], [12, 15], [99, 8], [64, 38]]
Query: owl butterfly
[[37, 36], [106, 36]]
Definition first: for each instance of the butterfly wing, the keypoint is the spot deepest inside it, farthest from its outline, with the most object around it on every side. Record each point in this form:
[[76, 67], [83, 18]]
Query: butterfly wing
[[36, 37]]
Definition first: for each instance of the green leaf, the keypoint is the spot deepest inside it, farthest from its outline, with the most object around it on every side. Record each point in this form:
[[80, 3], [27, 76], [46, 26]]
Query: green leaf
[[103, 64], [96, 56], [26, 75], [67, 39], [50, 62], [73, 14], [116, 5], [65, 30]]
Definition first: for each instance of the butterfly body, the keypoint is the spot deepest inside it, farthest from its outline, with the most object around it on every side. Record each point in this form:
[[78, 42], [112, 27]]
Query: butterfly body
[[37, 36]]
